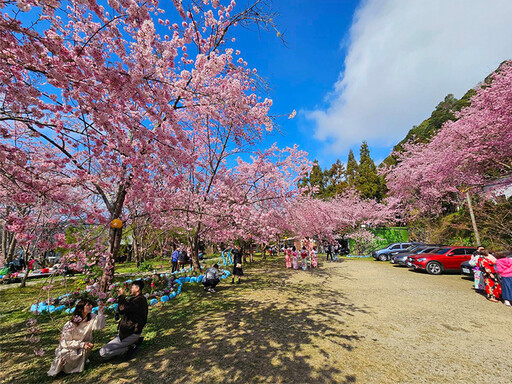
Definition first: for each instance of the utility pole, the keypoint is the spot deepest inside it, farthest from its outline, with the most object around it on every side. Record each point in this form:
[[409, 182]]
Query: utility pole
[[473, 221]]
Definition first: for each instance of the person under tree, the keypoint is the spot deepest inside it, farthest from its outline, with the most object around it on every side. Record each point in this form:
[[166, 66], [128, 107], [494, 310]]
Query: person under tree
[[237, 265], [134, 317]]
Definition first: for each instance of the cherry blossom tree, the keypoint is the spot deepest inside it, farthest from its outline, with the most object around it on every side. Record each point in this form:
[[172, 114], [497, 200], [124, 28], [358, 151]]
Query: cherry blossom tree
[[114, 88], [222, 203], [324, 219], [464, 154]]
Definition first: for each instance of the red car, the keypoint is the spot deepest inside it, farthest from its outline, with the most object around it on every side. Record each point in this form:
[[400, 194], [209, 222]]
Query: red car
[[442, 259]]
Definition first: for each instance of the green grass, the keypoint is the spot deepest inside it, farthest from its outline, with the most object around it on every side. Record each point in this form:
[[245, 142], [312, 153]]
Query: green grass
[[23, 366], [199, 334]]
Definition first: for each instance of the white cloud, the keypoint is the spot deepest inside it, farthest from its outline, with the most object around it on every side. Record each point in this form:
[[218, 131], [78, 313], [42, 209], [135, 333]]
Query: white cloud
[[403, 57]]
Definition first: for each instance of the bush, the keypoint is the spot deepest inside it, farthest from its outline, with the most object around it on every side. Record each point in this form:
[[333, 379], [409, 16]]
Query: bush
[[145, 267]]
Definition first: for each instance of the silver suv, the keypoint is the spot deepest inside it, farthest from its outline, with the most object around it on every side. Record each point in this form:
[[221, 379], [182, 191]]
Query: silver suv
[[384, 254]]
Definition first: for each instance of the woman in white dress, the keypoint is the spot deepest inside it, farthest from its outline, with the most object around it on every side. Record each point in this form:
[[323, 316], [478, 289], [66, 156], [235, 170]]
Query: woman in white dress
[[76, 339]]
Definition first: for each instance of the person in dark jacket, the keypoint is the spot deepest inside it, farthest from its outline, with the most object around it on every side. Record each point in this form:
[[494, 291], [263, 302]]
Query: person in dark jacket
[[237, 265], [134, 317]]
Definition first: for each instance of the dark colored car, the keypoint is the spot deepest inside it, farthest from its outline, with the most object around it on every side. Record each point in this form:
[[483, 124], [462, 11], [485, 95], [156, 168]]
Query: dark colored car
[[441, 259], [400, 258], [467, 269]]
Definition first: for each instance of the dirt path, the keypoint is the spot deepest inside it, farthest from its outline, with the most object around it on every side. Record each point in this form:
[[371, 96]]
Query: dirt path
[[355, 321], [417, 328]]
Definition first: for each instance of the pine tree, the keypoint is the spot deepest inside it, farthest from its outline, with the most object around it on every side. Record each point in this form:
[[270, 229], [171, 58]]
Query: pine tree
[[368, 182], [335, 179], [317, 179], [352, 170]]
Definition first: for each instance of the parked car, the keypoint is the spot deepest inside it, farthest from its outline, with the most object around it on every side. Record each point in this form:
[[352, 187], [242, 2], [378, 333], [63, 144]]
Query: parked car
[[467, 269], [400, 258], [441, 259], [384, 254]]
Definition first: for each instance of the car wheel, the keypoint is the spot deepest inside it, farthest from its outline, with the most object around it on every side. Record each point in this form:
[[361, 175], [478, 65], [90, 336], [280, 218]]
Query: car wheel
[[383, 257], [434, 268]]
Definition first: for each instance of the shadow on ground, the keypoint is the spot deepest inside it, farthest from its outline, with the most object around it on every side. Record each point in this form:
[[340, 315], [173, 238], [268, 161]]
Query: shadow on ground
[[266, 330]]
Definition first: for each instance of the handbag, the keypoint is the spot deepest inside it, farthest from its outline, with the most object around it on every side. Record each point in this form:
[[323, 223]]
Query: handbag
[[238, 265]]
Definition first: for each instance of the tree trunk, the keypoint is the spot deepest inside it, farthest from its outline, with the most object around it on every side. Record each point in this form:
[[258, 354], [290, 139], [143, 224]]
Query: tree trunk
[[129, 252], [193, 243], [243, 251], [27, 271], [136, 250], [8, 245], [114, 238]]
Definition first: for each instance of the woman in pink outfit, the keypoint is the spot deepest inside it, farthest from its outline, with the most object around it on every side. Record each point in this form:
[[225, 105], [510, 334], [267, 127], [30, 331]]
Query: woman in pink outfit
[[295, 258], [504, 269], [288, 257], [314, 260]]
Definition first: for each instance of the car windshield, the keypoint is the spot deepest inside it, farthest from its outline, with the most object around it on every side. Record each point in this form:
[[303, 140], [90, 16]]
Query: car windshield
[[441, 251], [427, 250]]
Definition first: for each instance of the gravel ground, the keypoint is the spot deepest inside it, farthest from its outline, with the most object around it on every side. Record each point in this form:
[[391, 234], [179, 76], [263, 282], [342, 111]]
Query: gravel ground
[[416, 328]]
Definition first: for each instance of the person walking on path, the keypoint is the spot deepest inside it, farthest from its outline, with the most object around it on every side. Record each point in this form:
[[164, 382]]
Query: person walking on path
[[134, 317], [237, 266], [76, 339], [211, 278], [492, 284], [504, 269], [174, 259]]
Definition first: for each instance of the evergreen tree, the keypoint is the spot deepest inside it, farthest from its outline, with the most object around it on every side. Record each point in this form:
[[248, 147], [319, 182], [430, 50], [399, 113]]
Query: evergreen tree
[[368, 182], [317, 179], [352, 170], [335, 179]]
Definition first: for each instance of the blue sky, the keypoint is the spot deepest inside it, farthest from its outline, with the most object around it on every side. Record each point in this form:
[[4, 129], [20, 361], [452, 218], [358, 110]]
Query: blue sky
[[370, 70], [302, 72]]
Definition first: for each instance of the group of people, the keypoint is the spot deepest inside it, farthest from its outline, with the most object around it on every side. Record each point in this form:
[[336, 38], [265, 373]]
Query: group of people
[[332, 252], [180, 258], [493, 275], [300, 259], [76, 340]]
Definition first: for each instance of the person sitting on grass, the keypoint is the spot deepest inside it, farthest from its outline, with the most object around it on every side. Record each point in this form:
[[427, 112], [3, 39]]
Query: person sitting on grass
[[76, 339], [135, 317], [211, 278]]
